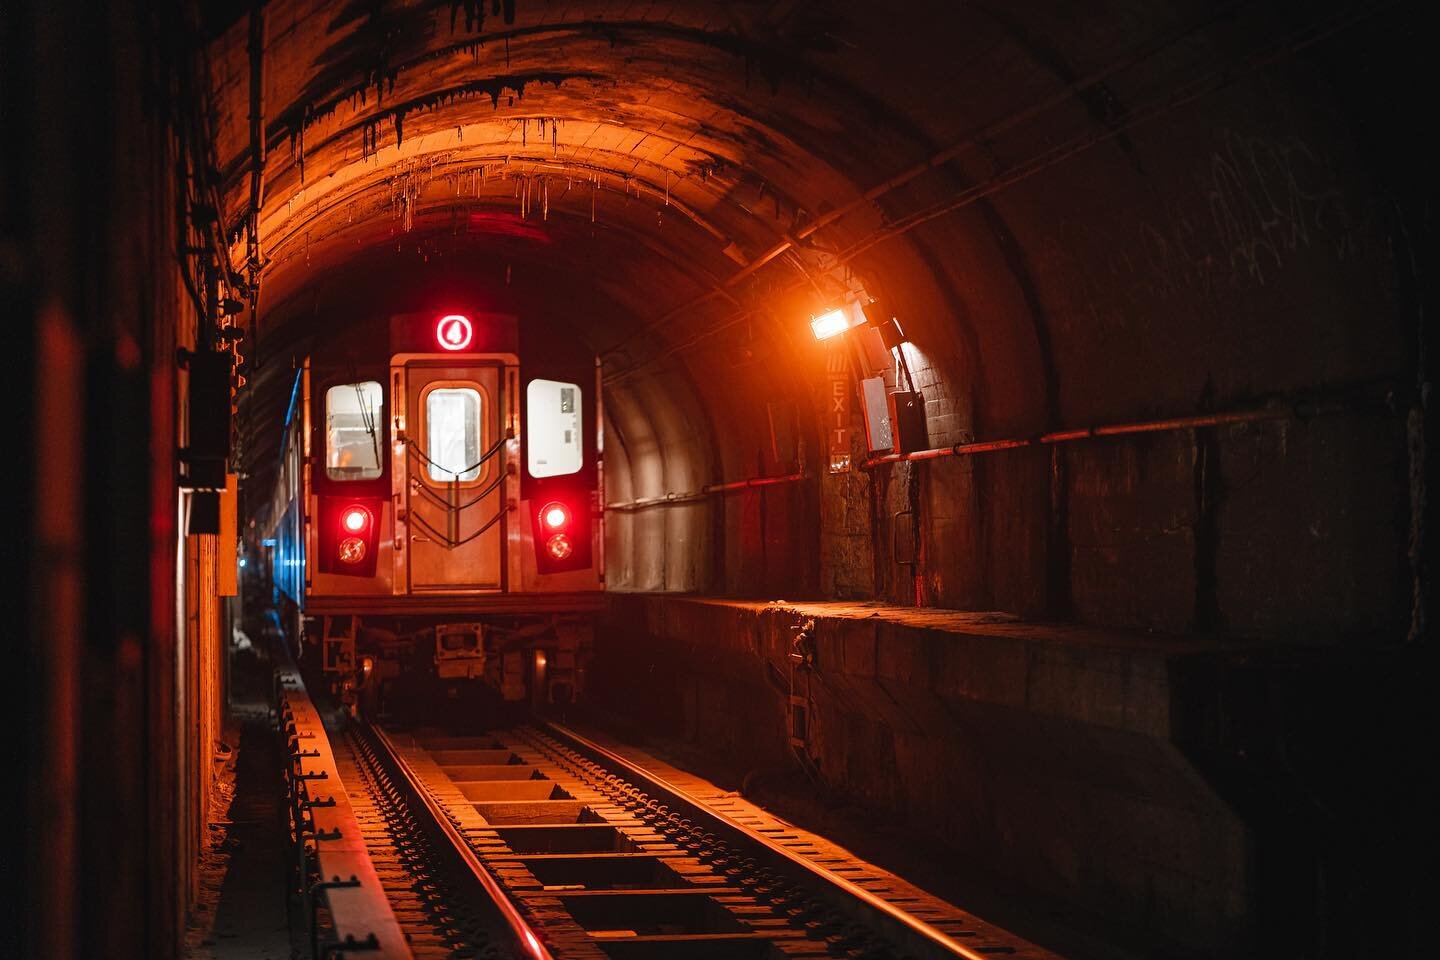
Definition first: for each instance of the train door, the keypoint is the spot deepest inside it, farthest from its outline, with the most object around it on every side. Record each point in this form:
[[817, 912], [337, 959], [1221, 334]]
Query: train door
[[453, 481]]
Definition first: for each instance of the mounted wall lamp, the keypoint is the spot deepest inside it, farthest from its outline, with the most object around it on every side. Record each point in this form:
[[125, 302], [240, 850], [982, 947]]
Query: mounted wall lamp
[[834, 322]]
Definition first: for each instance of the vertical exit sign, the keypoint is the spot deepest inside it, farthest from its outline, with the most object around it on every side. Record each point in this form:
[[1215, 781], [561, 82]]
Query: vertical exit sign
[[837, 420]]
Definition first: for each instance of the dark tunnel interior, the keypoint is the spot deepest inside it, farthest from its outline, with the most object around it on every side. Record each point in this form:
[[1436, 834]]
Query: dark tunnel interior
[[1118, 634]]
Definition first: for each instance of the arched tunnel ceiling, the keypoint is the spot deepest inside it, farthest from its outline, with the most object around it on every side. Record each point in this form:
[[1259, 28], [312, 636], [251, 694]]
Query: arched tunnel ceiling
[[685, 164], [382, 110]]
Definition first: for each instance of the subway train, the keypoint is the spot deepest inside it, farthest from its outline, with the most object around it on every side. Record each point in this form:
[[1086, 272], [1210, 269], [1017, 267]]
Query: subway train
[[436, 521]]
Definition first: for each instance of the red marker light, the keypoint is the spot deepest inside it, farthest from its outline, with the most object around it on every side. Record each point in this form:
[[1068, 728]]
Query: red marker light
[[559, 546], [555, 515], [454, 332], [355, 519]]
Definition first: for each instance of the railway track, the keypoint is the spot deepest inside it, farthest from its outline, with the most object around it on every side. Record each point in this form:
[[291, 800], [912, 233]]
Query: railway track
[[534, 841], [419, 881]]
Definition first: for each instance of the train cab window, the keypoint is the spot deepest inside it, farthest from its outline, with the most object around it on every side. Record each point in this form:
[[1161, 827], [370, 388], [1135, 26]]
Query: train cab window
[[353, 443], [452, 434], [552, 423]]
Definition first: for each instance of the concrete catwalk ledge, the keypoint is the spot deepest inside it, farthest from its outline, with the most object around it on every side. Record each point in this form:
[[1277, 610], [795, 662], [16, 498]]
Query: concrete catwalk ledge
[[1109, 678], [1089, 767]]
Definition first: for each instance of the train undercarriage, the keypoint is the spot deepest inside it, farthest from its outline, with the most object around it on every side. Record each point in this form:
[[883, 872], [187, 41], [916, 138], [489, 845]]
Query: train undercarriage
[[374, 663]]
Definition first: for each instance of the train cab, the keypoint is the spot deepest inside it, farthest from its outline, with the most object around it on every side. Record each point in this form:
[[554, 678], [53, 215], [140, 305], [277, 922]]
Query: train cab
[[438, 505]]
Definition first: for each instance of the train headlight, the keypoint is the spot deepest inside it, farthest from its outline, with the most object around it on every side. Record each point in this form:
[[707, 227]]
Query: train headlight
[[352, 550], [555, 516], [355, 519], [559, 546]]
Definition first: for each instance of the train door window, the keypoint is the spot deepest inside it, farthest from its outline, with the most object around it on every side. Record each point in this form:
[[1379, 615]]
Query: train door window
[[353, 443], [552, 424], [453, 434]]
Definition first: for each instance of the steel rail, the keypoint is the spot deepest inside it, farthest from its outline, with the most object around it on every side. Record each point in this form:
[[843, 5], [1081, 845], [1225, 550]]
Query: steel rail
[[521, 932], [913, 932]]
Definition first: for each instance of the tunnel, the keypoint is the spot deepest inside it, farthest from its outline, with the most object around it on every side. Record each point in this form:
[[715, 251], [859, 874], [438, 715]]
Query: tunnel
[[1000, 477]]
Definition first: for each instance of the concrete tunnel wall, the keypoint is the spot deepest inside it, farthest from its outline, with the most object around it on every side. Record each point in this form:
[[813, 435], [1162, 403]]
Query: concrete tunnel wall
[[657, 446]]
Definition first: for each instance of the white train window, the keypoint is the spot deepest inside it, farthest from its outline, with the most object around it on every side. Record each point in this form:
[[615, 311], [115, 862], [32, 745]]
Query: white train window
[[353, 443], [452, 434], [552, 428]]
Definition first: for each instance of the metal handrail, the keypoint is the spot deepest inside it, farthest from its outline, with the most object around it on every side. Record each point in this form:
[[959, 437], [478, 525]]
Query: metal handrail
[[1275, 411], [708, 490], [451, 543], [420, 485], [415, 450], [452, 539]]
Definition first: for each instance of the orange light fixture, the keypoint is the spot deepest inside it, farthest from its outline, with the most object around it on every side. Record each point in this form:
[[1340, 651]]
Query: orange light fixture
[[833, 322]]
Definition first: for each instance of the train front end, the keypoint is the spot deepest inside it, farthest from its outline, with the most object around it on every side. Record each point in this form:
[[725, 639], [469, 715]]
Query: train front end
[[441, 494]]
